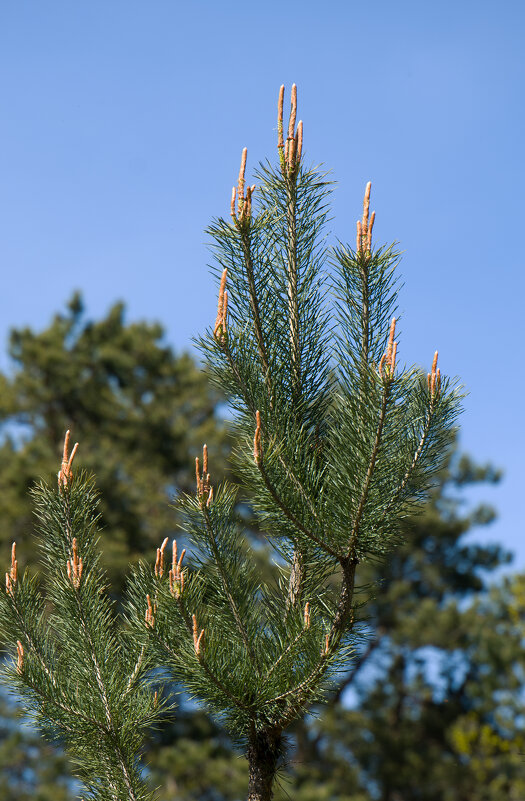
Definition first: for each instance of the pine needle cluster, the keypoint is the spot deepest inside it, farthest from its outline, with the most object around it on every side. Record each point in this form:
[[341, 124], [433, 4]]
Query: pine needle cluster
[[336, 443]]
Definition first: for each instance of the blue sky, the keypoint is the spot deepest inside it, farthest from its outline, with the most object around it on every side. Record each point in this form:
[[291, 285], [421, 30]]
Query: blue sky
[[121, 128]]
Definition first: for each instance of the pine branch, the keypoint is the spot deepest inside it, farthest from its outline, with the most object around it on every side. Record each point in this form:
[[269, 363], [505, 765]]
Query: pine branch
[[226, 584], [370, 470], [293, 305], [79, 691], [291, 517], [202, 661], [254, 302]]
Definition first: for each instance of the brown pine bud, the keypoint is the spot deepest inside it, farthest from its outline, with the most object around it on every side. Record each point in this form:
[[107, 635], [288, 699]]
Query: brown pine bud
[[159, 564], [20, 656], [434, 377], [307, 616], [257, 446], [280, 110], [151, 610], [197, 638], [65, 474], [293, 113], [299, 149]]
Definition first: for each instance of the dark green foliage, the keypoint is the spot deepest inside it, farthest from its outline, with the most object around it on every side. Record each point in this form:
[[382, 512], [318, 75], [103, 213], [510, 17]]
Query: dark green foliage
[[79, 675], [433, 698]]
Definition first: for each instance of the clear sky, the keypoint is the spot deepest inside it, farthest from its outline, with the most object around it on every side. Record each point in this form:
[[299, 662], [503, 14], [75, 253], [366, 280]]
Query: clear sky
[[121, 128]]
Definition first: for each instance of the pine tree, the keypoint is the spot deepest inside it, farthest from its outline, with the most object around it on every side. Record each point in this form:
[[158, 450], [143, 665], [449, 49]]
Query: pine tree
[[337, 444]]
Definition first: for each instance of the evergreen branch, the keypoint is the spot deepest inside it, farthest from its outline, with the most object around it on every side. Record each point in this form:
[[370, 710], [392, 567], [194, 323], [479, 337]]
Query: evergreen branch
[[226, 586], [241, 384], [254, 303], [136, 670], [332, 641], [293, 306], [370, 470], [291, 517], [315, 675], [365, 312], [64, 707], [112, 730], [287, 650], [202, 661], [417, 456], [218, 683], [30, 641], [293, 478]]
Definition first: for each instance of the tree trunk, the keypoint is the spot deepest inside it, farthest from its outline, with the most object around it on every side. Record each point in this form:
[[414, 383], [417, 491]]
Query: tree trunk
[[263, 755]]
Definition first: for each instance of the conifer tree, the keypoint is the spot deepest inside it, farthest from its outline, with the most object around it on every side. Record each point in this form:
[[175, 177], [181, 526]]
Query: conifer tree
[[337, 443]]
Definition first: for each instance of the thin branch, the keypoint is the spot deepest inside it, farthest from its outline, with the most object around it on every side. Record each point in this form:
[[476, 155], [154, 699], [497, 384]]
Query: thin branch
[[226, 585], [293, 304], [417, 456], [32, 644], [370, 471], [254, 303], [202, 662], [337, 630], [135, 672], [293, 478], [105, 703], [98, 674], [64, 707], [363, 260], [284, 654], [291, 517], [346, 595]]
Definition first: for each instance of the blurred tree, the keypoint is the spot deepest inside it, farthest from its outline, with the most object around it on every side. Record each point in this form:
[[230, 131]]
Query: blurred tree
[[141, 411], [30, 768]]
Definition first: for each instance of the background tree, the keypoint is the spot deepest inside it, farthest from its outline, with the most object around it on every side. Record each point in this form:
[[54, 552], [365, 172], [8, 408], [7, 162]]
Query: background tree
[[138, 409]]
